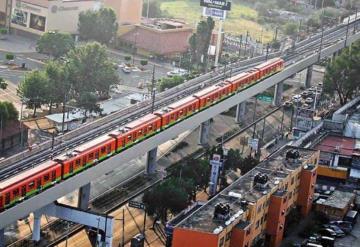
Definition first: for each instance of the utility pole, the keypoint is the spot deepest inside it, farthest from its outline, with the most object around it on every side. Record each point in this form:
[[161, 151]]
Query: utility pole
[[153, 90], [8, 10], [241, 38], [321, 42], [267, 51], [148, 8], [218, 43], [246, 42], [347, 31], [63, 112]]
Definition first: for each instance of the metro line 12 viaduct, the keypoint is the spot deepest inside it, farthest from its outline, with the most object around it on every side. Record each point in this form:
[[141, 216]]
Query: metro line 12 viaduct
[[303, 56]]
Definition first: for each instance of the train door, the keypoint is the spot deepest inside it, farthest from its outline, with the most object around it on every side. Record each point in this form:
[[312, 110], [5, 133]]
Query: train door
[[71, 169], [38, 183], [1, 202], [23, 190], [97, 154], [7, 198], [53, 176]]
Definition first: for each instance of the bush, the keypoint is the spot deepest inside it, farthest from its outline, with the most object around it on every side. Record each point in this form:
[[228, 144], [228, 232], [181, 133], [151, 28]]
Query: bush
[[127, 58], [143, 62], [9, 56], [3, 31]]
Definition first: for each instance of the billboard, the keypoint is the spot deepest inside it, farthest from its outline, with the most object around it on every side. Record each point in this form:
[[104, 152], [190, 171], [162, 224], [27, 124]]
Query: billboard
[[216, 13], [216, 4]]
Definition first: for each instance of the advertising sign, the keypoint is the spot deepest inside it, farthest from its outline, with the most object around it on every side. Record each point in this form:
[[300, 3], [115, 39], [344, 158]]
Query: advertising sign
[[135, 204], [215, 13], [214, 175], [216, 4]]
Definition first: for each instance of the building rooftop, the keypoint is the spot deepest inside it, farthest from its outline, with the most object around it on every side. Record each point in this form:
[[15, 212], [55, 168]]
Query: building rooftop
[[337, 144], [245, 191], [339, 199]]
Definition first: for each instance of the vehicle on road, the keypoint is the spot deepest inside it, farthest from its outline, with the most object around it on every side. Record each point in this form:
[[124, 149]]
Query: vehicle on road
[[126, 70], [345, 226], [339, 233], [296, 98], [327, 232], [309, 101], [351, 216], [178, 72]]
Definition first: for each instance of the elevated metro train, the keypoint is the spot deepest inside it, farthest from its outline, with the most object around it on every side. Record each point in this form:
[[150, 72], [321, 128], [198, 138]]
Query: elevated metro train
[[27, 183]]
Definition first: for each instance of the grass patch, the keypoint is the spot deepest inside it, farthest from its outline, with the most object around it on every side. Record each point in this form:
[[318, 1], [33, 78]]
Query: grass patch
[[240, 19]]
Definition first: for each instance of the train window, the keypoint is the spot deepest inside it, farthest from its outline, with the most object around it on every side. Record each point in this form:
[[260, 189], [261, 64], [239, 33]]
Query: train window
[[23, 190], [167, 119], [172, 116], [38, 183], [103, 149], [181, 112], [108, 148], [129, 137], [46, 177], [97, 155], [140, 132], [84, 160], [1, 201], [71, 168], [150, 127], [91, 156], [31, 185], [77, 162], [7, 198], [53, 175], [15, 192]]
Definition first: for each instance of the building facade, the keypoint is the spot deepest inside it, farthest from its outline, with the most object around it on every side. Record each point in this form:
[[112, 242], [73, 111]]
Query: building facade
[[255, 207], [39, 16]]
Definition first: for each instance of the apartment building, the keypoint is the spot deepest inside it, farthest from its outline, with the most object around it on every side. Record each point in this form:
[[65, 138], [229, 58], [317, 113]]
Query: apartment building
[[256, 205]]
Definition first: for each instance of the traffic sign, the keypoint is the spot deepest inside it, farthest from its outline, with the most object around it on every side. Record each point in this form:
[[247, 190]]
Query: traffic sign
[[216, 4], [138, 205], [265, 98]]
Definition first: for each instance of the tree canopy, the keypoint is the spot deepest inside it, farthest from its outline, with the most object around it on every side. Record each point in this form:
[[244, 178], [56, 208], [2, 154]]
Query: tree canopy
[[98, 25], [8, 112], [55, 44], [200, 41], [342, 74]]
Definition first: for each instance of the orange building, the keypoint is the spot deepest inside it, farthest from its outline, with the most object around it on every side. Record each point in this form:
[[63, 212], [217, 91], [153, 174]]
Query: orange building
[[256, 205], [128, 12]]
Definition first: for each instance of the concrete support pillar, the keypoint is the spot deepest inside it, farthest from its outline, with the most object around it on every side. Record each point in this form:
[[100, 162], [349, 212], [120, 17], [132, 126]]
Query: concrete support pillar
[[279, 88], [36, 226], [204, 133], [151, 161], [240, 112], [308, 76], [84, 197], [2, 238]]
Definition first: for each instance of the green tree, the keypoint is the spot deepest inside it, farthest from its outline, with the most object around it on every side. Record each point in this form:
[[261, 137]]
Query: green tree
[[170, 195], [55, 44], [200, 41], [167, 83], [291, 28], [342, 75], [154, 9], [34, 88], [98, 25], [57, 84], [9, 57], [3, 83], [90, 70], [88, 101]]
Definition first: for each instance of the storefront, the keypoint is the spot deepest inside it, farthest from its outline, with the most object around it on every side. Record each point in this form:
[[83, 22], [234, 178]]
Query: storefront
[[39, 16]]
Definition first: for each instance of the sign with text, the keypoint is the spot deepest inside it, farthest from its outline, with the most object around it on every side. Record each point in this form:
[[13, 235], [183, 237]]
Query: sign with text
[[138, 205], [215, 13], [216, 4]]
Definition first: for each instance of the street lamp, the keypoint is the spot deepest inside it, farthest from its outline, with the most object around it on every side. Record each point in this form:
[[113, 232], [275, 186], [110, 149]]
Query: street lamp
[[134, 52], [23, 101]]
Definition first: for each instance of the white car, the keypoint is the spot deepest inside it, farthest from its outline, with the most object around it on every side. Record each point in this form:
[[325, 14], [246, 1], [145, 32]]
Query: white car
[[296, 98], [126, 70], [179, 72]]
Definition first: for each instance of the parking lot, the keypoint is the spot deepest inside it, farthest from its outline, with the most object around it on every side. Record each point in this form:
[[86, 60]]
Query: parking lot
[[352, 239]]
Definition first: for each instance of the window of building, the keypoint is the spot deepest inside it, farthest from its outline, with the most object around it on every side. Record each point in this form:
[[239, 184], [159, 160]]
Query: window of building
[[259, 209], [292, 180], [257, 224]]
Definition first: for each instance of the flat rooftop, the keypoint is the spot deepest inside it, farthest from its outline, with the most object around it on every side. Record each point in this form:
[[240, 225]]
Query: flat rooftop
[[339, 199], [276, 167], [337, 144]]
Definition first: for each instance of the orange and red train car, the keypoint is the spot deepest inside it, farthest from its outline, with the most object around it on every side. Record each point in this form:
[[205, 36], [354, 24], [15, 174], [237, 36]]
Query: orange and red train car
[[35, 180]]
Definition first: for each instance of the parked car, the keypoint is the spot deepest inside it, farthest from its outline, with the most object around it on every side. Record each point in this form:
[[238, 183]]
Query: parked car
[[306, 94], [126, 70], [309, 101], [351, 216], [327, 232], [179, 72], [336, 229], [296, 98], [287, 104], [345, 226]]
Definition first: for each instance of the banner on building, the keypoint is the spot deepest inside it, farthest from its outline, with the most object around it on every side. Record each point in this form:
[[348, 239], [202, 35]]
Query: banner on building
[[216, 4]]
